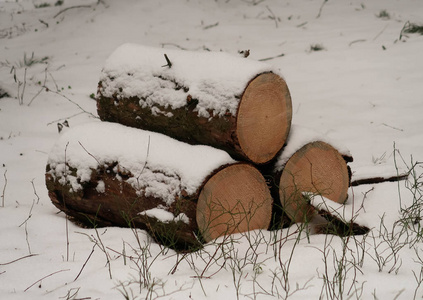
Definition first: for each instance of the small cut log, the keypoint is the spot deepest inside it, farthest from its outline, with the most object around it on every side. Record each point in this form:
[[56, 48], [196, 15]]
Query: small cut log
[[107, 174], [212, 98], [310, 164]]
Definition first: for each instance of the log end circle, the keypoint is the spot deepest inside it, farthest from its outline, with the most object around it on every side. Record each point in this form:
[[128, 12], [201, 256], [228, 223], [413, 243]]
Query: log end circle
[[264, 117], [236, 199], [317, 168]]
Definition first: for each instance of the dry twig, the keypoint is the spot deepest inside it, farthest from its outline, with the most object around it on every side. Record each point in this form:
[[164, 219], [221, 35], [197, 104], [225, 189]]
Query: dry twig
[[4, 188], [18, 259], [39, 280]]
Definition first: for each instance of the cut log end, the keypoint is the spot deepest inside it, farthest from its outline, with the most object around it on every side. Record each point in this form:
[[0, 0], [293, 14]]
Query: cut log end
[[264, 117], [234, 200], [316, 168]]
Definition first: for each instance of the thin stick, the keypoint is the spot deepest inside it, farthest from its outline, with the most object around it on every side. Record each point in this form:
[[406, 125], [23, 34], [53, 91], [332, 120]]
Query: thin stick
[[173, 44], [45, 278], [386, 26], [273, 57], [35, 191], [103, 248], [65, 118], [321, 7], [210, 26], [4, 188], [21, 97], [71, 101], [42, 88], [30, 214], [64, 203], [54, 81], [273, 16], [90, 153], [18, 259], [169, 63], [26, 226], [83, 266], [146, 158], [71, 7], [399, 129], [356, 41]]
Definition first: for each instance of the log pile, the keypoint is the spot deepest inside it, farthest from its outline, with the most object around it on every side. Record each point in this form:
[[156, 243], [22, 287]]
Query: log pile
[[185, 144]]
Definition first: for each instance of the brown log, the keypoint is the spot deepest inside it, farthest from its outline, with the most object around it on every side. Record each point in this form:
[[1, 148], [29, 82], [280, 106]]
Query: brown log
[[253, 126], [120, 205], [316, 168], [234, 200], [99, 175]]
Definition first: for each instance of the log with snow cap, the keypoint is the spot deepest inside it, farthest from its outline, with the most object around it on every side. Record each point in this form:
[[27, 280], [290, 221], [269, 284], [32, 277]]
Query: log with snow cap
[[310, 165], [232, 103], [106, 174]]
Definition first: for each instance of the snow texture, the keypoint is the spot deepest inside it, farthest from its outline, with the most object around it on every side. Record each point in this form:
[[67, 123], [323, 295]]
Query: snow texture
[[165, 216], [216, 79], [364, 90], [300, 136], [160, 166]]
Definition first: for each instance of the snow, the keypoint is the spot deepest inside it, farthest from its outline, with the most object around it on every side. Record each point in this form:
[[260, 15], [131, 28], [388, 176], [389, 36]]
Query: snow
[[354, 92], [159, 165], [164, 216], [216, 79], [300, 136]]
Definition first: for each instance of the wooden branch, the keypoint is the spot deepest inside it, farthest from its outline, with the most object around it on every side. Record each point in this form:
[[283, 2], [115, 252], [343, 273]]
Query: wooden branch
[[374, 180]]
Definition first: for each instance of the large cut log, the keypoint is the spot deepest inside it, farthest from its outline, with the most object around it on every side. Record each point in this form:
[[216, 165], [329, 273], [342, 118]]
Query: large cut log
[[104, 174], [212, 98], [310, 165], [236, 199]]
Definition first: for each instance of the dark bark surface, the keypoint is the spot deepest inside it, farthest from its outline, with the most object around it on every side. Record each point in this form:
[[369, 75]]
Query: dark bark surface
[[119, 205], [268, 127]]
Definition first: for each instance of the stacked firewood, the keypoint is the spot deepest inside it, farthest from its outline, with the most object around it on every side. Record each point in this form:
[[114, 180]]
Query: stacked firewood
[[192, 146]]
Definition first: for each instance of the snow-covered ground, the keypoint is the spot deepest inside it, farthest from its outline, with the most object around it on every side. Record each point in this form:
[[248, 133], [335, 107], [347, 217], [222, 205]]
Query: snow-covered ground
[[363, 89]]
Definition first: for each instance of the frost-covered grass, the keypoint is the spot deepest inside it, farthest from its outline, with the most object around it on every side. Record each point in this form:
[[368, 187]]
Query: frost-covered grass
[[364, 91]]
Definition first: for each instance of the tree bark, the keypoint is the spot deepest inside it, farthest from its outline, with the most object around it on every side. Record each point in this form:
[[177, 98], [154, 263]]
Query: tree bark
[[233, 199], [316, 168], [99, 184], [250, 117]]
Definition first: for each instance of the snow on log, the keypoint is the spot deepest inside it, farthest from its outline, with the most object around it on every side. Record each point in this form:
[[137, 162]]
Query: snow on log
[[310, 164], [108, 174], [236, 104]]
